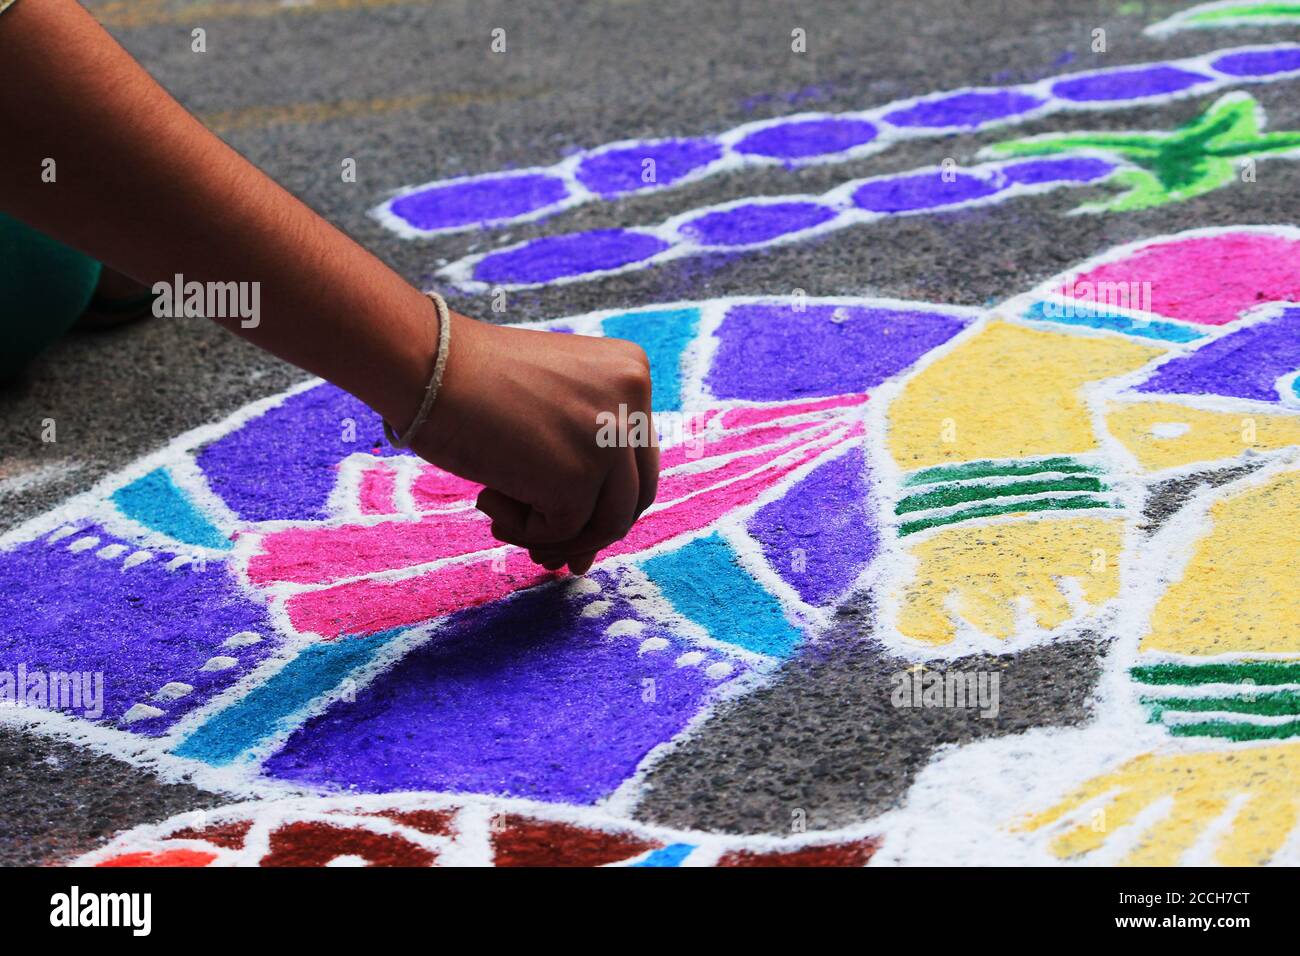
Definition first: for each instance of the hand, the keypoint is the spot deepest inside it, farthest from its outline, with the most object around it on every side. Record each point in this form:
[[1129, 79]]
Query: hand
[[518, 412]]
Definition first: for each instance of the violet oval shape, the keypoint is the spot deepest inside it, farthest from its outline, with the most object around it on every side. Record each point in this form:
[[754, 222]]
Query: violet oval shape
[[803, 138], [1259, 62], [557, 257], [1074, 169], [921, 191], [758, 222], [966, 109], [479, 200], [617, 171], [1128, 84]]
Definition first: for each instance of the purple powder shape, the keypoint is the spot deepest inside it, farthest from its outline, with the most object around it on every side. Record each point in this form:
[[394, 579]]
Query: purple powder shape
[[141, 627], [284, 464], [803, 138], [922, 191], [617, 171], [758, 222], [524, 698], [555, 257], [1075, 169], [1259, 62], [1128, 84], [1243, 364], [480, 200], [774, 353], [966, 109], [825, 517]]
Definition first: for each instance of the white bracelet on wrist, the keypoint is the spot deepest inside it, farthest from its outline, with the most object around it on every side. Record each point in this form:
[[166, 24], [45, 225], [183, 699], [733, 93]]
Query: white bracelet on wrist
[[435, 380]]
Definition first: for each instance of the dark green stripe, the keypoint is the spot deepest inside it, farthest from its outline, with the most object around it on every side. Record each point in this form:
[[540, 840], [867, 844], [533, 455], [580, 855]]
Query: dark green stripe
[[984, 511], [989, 469], [1261, 672], [948, 495], [1275, 704], [1232, 731]]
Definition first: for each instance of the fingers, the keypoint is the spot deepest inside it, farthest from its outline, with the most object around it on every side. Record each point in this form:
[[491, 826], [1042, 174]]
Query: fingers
[[647, 470], [617, 507]]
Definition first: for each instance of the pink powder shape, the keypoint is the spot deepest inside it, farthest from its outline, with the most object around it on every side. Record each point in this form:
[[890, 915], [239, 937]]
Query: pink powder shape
[[369, 606], [435, 488], [378, 485], [318, 555], [677, 486], [742, 417], [1209, 280]]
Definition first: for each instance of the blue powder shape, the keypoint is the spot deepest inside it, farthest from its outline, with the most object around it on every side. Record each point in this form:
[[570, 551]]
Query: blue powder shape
[[249, 721], [1096, 319], [671, 855], [155, 502], [705, 583], [664, 335]]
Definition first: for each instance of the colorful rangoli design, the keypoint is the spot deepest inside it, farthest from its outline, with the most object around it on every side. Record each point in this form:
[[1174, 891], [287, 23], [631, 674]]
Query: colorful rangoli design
[[285, 608]]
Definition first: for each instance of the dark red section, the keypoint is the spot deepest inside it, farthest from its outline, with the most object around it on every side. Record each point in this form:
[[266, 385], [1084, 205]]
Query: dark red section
[[521, 841], [228, 835], [433, 822], [833, 854], [312, 843]]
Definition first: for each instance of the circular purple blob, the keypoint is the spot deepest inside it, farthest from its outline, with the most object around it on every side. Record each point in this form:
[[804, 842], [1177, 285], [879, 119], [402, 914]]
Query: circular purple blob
[[1076, 169], [1259, 62], [479, 201], [966, 109], [1128, 84], [803, 138], [757, 223], [556, 257], [618, 171], [921, 191]]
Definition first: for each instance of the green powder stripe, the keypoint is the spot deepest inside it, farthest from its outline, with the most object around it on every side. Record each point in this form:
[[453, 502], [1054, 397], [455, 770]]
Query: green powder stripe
[[1236, 731], [1273, 704], [991, 469], [1255, 11], [947, 495], [1261, 672], [985, 511]]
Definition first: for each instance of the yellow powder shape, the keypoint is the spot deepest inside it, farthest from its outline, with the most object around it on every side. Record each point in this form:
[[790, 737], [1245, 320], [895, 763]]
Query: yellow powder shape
[[1208, 436], [1009, 392], [1202, 786], [991, 567], [1239, 590]]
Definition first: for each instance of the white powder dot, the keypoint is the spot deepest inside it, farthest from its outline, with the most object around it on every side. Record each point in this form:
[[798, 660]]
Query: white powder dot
[[597, 609], [719, 670], [219, 664], [140, 712], [177, 562], [628, 627], [140, 557], [62, 533], [173, 690], [348, 860], [242, 639], [84, 544], [1170, 429], [110, 551], [689, 659], [653, 644], [578, 585]]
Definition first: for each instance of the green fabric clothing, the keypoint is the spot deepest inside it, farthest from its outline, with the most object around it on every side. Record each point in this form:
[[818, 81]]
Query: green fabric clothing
[[44, 288]]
